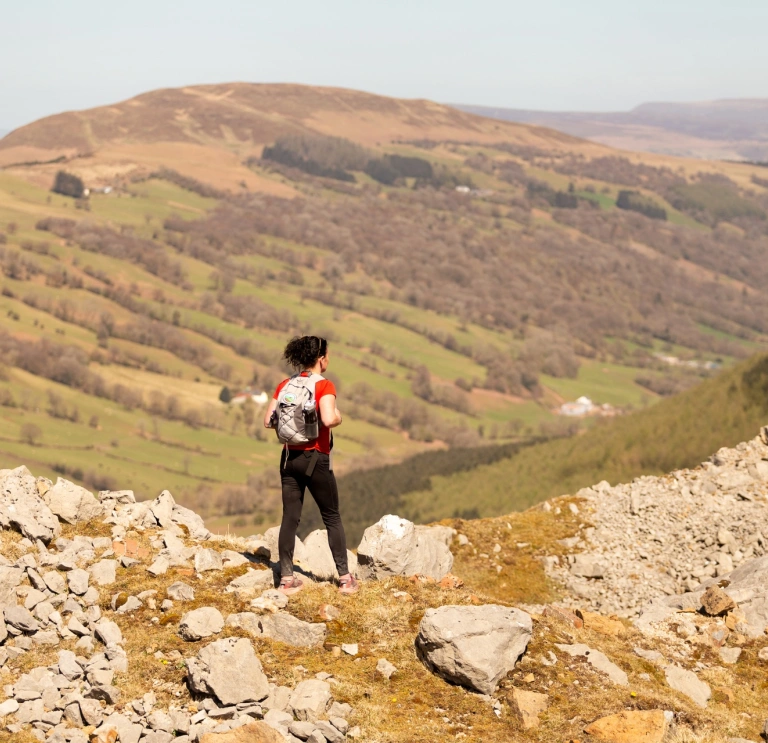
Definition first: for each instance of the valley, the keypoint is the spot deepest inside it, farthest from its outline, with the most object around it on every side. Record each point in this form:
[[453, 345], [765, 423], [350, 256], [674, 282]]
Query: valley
[[471, 276]]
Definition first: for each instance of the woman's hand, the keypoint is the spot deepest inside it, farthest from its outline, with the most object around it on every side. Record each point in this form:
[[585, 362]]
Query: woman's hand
[[270, 409]]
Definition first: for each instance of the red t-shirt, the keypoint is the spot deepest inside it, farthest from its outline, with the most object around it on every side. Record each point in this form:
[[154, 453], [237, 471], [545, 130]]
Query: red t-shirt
[[323, 442]]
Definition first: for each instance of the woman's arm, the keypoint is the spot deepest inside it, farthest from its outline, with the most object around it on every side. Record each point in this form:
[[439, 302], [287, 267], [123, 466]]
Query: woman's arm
[[270, 409], [329, 413]]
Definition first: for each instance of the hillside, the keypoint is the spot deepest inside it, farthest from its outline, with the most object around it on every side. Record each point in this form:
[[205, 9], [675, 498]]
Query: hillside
[[208, 131], [129, 620], [725, 130], [469, 286], [680, 432]]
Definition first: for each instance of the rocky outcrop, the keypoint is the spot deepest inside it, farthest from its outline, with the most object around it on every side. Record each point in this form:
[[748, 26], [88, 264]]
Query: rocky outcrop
[[22, 508], [71, 503], [474, 646], [661, 536], [745, 588], [393, 546]]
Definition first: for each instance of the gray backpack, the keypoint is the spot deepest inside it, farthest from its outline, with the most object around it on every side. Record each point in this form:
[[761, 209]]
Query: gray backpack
[[290, 408]]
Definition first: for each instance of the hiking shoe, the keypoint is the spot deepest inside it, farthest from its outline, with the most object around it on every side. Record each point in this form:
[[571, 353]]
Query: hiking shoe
[[290, 584], [348, 585]]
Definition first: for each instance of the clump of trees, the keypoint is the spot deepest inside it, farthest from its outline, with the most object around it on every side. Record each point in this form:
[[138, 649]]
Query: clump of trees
[[68, 184], [327, 157], [636, 202], [541, 191]]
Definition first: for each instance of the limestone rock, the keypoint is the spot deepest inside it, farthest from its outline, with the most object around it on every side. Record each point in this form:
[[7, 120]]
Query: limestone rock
[[292, 631], [21, 618], [317, 559], [597, 660], [78, 581], [648, 726], [180, 591], [247, 621], [393, 547], [252, 582], [23, 509], [108, 632], [162, 509], [54, 581], [128, 731], [8, 707], [689, 684], [730, 655], [200, 623], [159, 565], [208, 559], [527, 706], [72, 503], [192, 522], [329, 732], [474, 646], [10, 579], [715, 601], [588, 566], [229, 670], [310, 699], [103, 572], [271, 538], [68, 665], [385, 669], [747, 587]]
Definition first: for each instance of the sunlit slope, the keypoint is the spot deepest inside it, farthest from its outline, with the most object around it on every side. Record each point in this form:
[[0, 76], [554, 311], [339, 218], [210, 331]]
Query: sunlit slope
[[207, 131]]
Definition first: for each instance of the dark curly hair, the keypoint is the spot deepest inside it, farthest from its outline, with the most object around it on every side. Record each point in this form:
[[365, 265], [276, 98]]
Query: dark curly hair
[[303, 353]]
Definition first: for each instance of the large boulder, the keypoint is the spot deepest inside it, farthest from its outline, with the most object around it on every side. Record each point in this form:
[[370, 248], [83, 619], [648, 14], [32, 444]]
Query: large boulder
[[271, 537], [21, 507], [71, 503], [474, 646], [317, 559], [393, 546], [747, 587], [229, 670]]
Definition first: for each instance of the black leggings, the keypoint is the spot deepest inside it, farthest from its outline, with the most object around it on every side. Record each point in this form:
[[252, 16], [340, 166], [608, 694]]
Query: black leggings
[[322, 485]]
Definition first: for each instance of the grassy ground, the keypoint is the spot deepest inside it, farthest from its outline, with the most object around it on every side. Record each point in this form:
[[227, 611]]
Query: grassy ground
[[383, 620]]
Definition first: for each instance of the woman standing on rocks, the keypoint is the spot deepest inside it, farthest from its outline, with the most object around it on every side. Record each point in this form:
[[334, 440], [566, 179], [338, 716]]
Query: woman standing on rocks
[[306, 460]]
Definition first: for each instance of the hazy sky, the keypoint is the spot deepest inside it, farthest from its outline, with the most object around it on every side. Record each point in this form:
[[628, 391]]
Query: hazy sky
[[549, 54]]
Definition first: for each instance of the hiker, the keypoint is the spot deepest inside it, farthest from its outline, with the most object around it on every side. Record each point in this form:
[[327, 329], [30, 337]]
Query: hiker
[[303, 411]]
